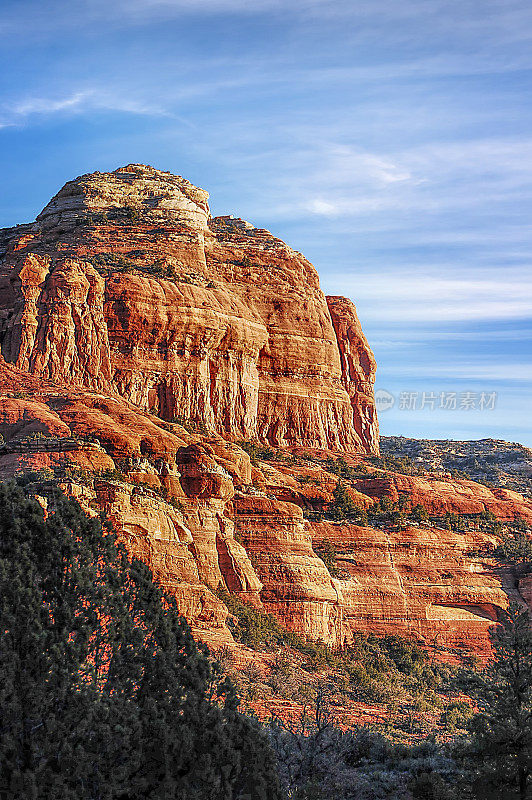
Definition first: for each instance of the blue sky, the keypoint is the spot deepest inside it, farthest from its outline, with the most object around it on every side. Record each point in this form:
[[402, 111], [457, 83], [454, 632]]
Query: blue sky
[[391, 142]]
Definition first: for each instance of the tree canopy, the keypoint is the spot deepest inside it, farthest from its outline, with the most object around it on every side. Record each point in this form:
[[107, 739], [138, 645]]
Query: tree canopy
[[104, 693], [501, 748]]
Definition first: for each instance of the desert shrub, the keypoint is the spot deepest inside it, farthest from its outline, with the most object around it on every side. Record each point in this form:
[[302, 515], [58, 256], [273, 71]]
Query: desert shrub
[[116, 262], [191, 425], [263, 632], [327, 553], [115, 474], [183, 421], [257, 452], [403, 464], [405, 654], [282, 678], [35, 436], [344, 507], [30, 477], [92, 218], [419, 514], [456, 715], [515, 547], [251, 627], [385, 512], [340, 467], [124, 214], [113, 261], [320, 762]]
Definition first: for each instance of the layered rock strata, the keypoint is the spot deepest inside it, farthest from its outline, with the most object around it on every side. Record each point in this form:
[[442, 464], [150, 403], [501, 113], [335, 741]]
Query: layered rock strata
[[142, 339], [125, 285], [204, 518], [419, 582]]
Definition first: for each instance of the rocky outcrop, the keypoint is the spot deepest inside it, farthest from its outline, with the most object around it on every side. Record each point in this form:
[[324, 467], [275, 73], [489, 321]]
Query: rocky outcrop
[[358, 368], [125, 285], [297, 587], [420, 582], [143, 339], [128, 192], [57, 324], [439, 495], [193, 507]]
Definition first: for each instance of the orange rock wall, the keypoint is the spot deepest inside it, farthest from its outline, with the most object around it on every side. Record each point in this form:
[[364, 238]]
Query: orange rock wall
[[240, 339], [421, 582], [202, 517], [440, 495], [297, 587], [126, 298]]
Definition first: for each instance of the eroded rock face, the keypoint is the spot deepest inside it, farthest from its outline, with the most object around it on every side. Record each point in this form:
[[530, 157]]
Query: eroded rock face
[[297, 587], [125, 285], [194, 508], [420, 582], [126, 313], [358, 368], [167, 493], [440, 495]]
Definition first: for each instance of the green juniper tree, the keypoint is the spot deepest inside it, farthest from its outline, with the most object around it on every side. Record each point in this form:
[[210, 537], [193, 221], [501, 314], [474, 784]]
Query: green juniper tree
[[501, 750], [104, 693], [343, 506]]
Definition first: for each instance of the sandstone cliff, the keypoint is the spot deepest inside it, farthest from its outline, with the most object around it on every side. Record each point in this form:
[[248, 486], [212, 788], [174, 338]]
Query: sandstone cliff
[[126, 285], [143, 340], [195, 508]]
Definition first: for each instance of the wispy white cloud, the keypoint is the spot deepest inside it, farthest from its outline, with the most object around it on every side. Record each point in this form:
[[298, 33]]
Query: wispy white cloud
[[339, 180], [122, 95], [428, 335], [418, 297], [326, 168], [393, 71], [468, 370], [88, 100], [41, 105]]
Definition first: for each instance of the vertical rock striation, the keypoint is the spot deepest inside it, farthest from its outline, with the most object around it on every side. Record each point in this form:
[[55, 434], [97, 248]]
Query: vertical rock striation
[[358, 368], [126, 285]]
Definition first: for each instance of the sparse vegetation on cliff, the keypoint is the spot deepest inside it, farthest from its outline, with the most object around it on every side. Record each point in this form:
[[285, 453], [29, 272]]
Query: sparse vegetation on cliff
[[257, 452], [418, 693], [116, 262], [327, 553], [344, 507], [515, 547]]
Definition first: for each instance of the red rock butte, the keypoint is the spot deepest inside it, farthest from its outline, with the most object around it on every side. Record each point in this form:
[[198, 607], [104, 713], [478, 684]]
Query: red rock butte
[[203, 318], [142, 340]]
